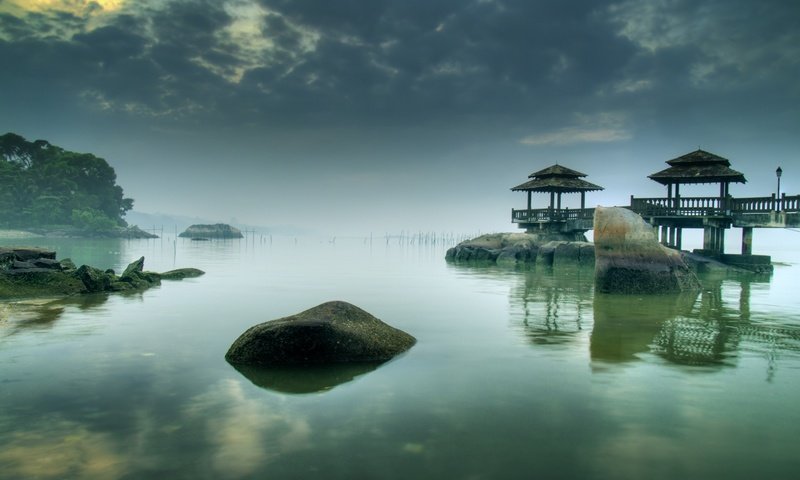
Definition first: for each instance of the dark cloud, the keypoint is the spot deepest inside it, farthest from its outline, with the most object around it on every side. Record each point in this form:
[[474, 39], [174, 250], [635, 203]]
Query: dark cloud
[[413, 60], [373, 89]]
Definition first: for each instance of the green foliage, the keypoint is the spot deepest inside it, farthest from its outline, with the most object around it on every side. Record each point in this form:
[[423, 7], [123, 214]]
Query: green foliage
[[42, 184], [92, 220]]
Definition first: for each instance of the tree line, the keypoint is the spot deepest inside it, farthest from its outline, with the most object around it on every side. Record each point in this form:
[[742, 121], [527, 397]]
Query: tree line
[[43, 185]]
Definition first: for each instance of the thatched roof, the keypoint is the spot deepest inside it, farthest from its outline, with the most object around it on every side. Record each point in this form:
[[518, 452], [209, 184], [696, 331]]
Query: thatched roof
[[557, 179], [556, 171], [698, 167], [556, 184]]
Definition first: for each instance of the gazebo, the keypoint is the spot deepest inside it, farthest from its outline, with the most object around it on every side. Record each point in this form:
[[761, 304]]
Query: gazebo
[[698, 167], [695, 168], [555, 180]]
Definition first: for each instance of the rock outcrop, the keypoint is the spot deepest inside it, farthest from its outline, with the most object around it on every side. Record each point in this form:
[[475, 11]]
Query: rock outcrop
[[629, 259], [219, 230], [523, 248], [30, 272], [330, 333]]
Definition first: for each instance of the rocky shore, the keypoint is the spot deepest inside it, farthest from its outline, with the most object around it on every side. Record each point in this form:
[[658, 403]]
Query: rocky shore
[[520, 249], [34, 272], [526, 250]]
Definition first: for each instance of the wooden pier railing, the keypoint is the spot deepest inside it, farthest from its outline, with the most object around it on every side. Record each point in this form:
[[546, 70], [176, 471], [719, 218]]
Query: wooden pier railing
[[713, 206], [551, 214]]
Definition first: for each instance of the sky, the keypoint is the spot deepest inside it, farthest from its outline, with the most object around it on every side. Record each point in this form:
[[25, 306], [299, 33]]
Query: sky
[[349, 117]]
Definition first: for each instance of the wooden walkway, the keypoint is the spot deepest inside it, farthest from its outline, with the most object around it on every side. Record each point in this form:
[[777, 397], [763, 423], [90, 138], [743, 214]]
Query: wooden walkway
[[687, 208], [669, 216]]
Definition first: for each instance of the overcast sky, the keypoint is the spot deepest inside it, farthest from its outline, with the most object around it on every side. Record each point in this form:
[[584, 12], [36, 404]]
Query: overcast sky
[[354, 116]]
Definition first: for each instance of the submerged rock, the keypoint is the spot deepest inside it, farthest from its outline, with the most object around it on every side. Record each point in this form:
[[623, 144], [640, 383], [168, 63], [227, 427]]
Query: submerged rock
[[181, 273], [333, 332], [629, 259], [219, 230]]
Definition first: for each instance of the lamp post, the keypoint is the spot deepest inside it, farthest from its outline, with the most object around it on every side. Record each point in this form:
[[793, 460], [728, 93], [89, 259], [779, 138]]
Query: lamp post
[[778, 173]]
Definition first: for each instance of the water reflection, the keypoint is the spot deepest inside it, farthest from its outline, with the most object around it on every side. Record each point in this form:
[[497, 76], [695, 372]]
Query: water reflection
[[625, 326], [43, 313], [552, 306], [710, 328], [304, 379]]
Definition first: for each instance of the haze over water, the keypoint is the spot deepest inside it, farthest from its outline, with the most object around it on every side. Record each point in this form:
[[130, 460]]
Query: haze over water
[[514, 372]]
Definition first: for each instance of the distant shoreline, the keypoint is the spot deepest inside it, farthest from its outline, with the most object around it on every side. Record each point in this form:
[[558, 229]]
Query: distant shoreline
[[14, 234], [126, 232]]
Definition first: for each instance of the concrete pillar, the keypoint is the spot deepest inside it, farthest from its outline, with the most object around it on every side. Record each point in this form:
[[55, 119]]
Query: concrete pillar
[[747, 241]]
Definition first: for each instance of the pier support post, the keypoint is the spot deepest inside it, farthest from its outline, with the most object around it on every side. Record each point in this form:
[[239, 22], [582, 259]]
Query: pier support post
[[708, 238], [664, 234], [678, 237], [747, 241]]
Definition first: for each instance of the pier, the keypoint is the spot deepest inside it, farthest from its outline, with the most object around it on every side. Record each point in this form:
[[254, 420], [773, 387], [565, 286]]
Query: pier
[[670, 215]]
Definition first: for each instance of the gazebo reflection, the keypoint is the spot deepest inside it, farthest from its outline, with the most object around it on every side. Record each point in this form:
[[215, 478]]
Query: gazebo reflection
[[706, 329], [553, 306]]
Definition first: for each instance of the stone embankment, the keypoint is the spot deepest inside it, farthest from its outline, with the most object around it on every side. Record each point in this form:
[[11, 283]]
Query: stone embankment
[[513, 249], [32, 272]]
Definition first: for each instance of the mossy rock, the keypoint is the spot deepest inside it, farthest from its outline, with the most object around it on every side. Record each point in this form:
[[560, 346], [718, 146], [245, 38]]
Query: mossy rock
[[333, 332]]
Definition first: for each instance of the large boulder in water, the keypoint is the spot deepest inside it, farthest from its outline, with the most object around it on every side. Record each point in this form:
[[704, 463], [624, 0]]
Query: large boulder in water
[[334, 332], [629, 259]]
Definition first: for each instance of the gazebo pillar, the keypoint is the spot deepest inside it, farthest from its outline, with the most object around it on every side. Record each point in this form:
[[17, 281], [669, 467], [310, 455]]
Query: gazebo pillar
[[559, 200], [529, 200], [583, 200], [552, 199]]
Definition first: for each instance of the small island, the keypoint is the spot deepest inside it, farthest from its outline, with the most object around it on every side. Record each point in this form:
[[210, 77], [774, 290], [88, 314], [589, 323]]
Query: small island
[[206, 232]]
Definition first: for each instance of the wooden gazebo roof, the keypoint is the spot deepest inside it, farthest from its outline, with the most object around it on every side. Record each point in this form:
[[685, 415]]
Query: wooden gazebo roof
[[698, 167], [557, 179]]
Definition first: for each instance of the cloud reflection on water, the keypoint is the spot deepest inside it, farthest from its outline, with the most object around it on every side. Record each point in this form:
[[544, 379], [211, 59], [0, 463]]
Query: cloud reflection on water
[[244, 433], [57, 448]]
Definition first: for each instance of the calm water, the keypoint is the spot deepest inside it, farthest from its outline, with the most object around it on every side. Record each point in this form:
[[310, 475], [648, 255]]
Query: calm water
[[515, 374]]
